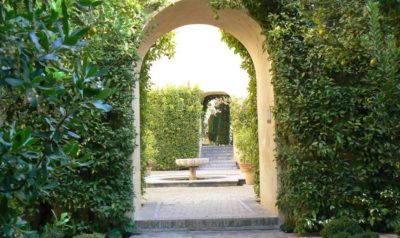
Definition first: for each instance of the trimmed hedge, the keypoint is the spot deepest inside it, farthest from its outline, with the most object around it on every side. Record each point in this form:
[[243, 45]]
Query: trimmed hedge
[[165, 46], [346, 228], [173, 120], [343, 225], [94, 235]]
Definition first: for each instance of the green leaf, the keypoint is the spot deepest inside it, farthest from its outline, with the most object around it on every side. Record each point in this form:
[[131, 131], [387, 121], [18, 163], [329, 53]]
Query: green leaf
[[76, 36], [65, 19], [14, 82], [73, 135], [52, 57], [89, 3], [104, 94], [71, 149], [35, 40], [99, 104]]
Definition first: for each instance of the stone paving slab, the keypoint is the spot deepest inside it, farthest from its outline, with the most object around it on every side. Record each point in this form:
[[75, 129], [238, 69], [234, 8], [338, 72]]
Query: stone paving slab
[[174, 178], [228, 234], [201, 203]]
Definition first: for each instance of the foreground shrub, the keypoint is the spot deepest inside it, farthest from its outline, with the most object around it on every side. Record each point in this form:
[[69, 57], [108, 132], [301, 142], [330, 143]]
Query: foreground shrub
[[342, 225], [342, 235], [94, 235], [48, 88], [397, 229], [366, 235], [336, 78]]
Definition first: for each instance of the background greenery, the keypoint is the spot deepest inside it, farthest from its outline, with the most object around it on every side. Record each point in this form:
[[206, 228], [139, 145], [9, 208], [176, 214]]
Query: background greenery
[[217, 119], [165, 46], [336, 81], [173, 125]]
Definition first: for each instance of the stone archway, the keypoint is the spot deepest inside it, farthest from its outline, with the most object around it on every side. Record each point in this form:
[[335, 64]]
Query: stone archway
[[239, 24]]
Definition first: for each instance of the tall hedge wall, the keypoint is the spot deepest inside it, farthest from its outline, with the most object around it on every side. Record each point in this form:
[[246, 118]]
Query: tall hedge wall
[[337, 90], [165, 46], [173, 125]]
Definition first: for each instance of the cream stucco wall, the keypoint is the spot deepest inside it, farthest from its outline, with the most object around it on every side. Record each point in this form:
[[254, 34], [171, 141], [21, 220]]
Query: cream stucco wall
[[248, 32]]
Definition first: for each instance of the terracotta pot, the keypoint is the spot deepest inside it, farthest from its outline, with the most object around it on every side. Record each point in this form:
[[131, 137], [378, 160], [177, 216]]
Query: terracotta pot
[[244, 167], [248, 173], [149, 168]]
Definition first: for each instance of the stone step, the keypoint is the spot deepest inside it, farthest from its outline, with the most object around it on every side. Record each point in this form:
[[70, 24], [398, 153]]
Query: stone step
[[218, 168], [216, 155], [219, 158], [212, 161], [235, 223], [230, 148], [218, 149], [200, 183], [219, 165], [222, 162]]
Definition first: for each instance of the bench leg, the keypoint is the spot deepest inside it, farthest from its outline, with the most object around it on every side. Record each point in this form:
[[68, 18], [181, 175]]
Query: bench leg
[[192, 175]]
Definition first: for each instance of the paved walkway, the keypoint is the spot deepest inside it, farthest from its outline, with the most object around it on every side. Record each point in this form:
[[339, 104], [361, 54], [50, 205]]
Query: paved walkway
[[201, 203], [207, 203], [227, 234], [173, 178]]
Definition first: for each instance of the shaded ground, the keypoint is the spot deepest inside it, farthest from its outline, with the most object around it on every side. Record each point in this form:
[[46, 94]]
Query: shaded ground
[[226, 234], [201, 203]]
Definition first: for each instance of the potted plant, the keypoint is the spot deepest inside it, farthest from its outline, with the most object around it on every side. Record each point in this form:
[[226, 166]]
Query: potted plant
[[245, 165], [247, 169], [149, 166]]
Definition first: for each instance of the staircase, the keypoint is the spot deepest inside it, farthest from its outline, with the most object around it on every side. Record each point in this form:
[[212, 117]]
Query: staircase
[[221, 158]]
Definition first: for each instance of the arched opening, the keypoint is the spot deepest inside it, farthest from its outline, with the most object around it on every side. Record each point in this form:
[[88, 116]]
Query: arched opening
[[248, 32], [209, 131]]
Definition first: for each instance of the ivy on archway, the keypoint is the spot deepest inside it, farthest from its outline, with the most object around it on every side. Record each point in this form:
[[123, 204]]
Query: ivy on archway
[[336, 80]]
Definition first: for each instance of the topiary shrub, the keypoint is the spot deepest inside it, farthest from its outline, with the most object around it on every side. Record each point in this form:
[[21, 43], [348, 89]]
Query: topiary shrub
[[94, 235], [333, 228], [342, 235], [366, 235], [287, 227], [397, 230], [52, 232]]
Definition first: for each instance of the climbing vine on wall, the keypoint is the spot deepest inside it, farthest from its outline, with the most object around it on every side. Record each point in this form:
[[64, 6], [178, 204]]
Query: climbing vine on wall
[[244, 113], [336, 80], [165, 46]]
